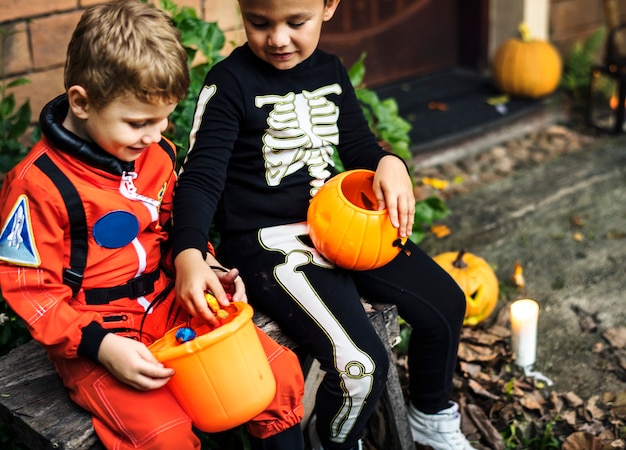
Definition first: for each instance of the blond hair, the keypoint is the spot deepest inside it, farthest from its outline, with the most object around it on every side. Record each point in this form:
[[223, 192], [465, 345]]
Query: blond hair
[[127, 47]]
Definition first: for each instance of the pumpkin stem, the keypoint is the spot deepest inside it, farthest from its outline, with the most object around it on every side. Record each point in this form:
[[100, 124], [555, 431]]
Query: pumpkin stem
[[524, 32], [458, 262]]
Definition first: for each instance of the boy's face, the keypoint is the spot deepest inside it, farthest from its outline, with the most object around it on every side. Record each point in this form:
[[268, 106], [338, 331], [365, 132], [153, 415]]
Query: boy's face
[[124, 128], [284, 33]]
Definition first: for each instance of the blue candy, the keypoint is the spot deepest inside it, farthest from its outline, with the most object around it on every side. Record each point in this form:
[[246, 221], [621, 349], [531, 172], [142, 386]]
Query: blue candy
[[185, 334]]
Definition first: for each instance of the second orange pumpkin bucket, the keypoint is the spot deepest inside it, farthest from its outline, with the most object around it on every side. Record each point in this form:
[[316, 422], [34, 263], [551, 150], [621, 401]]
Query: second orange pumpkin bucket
[[223, 378]]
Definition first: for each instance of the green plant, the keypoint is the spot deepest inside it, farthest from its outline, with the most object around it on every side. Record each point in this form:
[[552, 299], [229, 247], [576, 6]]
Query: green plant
[[578, 63], [532, 438], [197, 36], [382, 115], [13, 331], [14, 121], [391, 129]]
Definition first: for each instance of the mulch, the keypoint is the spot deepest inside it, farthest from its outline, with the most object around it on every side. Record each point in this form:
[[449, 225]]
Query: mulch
[[503, 407]]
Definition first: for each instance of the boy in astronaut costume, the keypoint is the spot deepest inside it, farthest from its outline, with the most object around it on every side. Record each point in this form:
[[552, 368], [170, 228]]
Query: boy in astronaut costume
[[84, 246]]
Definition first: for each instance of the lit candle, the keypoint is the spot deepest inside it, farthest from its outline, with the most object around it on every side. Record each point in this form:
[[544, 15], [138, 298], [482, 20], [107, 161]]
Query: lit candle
[[524, 314]]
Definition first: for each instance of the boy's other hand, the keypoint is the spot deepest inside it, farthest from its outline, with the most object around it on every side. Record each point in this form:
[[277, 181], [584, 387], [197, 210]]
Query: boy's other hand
[[394, 191], [132, 363], [229, 279], [194, 277]]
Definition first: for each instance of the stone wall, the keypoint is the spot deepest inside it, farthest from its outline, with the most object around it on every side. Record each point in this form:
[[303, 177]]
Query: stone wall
[[39, 31]]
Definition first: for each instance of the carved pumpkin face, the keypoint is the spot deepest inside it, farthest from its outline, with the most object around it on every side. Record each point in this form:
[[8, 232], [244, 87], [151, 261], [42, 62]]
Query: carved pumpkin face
[[476, 279], [346, 227]]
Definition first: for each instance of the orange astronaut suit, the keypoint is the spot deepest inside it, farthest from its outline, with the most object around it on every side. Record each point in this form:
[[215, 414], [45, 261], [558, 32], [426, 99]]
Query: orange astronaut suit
[[124, 287]]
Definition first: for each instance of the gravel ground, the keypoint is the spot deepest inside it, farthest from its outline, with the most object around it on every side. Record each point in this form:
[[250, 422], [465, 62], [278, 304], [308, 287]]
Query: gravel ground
[[465, 173]]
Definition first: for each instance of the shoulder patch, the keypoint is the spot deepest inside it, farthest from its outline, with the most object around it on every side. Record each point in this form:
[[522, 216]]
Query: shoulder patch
[[17, 243]]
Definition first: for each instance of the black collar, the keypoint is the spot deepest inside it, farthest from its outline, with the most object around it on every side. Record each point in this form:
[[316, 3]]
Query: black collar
[[50, 119]]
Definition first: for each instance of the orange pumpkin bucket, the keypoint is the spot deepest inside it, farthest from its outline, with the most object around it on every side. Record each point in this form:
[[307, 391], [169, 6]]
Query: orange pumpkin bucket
[[346, 227], [223, 378]]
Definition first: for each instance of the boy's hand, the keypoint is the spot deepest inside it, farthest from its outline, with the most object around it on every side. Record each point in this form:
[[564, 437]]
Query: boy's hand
[[230, 280], [194, 277], [394, 191], [132, 363]]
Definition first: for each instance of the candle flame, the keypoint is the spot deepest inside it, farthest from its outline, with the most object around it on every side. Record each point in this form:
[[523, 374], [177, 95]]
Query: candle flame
[[518, 275]]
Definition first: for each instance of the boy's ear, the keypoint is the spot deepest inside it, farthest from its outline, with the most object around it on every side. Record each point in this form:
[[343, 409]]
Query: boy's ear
[[79, 101], [329, 9]]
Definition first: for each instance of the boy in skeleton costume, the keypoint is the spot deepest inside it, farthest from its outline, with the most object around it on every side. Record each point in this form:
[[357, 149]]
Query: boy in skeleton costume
[[268, 120], [84, 243]]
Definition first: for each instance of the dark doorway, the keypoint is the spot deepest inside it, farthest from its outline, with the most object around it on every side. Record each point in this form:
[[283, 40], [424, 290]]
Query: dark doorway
[[407, 38], [423, 52]]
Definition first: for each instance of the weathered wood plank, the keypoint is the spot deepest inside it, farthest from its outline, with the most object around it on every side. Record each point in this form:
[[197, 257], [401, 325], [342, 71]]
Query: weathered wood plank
[[389, 427], [36, 406]]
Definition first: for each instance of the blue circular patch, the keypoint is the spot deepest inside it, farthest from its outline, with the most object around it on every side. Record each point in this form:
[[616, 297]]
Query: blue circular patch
[[116, 229]]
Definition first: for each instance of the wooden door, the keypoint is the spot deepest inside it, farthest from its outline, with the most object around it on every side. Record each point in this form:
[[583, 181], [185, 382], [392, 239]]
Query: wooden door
[[404, 38]]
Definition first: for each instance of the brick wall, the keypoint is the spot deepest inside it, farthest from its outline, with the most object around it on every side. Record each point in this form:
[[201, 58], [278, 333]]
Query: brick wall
[[575, 20], [42, 28], [39, 31]]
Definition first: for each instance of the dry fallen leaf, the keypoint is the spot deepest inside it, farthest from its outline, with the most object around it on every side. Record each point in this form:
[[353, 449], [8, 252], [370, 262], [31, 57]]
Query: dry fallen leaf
[[438, 106], [616, 337], [436, 183], [440, 231], [470, 369], [616, 234], [591, 408], [582, 441], [573, 400], [588, 322], [478, 389], [485, 426], [569, 417], [470, 353], [576, 221], [534, 401]]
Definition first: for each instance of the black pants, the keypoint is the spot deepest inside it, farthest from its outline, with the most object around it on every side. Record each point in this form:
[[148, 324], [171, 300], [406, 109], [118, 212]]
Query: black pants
[[319, 306]]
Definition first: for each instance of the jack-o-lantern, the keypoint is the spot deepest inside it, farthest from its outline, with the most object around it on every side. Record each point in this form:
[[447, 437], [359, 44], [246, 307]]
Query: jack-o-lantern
[[476, 279], [346, 226]]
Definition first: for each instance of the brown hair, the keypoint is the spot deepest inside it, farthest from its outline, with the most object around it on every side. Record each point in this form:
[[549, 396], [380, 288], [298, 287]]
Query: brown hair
[[127, 47]]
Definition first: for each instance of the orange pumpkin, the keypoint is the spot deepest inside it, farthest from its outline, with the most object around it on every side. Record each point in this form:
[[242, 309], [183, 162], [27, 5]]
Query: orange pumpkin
[[346, 227], [526, 67], [476, 279]]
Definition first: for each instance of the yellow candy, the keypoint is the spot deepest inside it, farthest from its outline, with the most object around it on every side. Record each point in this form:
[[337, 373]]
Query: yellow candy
[[215, 306]]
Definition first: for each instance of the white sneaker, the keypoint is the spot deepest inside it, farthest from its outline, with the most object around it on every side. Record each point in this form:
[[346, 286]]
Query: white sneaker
[[314, 438], [441, 431]]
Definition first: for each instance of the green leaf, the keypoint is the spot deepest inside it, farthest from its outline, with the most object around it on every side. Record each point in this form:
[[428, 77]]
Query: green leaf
[[357, 71], [18, 82], [19, 121], [6, 106]]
